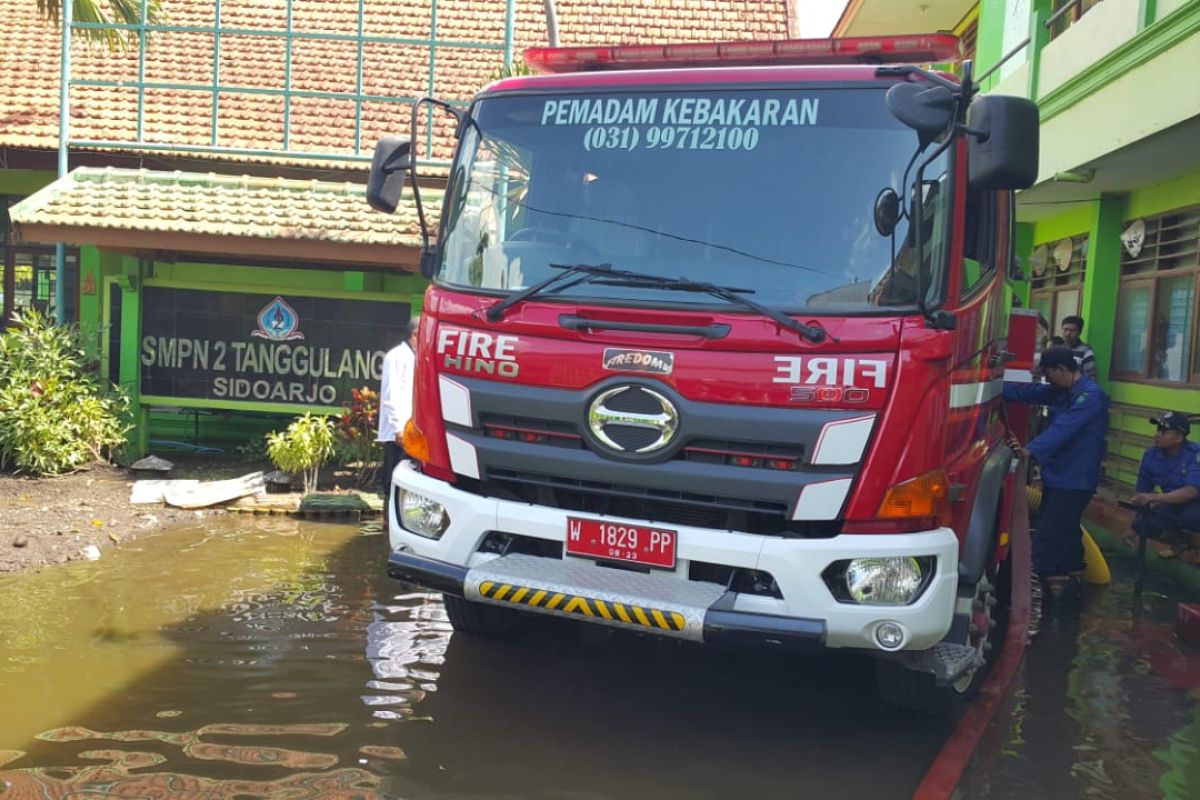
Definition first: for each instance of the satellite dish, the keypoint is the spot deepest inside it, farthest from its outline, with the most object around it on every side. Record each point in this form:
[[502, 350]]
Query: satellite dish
[[1133, 237], [1062, 254], [1038, 260]]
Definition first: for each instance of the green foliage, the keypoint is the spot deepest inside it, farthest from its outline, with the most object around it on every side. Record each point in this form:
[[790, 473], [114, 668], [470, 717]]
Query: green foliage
[[303, 447], [54, 414], [512, 70], [253, 450], [113, 12]]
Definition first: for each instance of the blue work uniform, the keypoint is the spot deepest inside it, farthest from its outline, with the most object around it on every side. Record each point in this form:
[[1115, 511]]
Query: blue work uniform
[[1157, 471], [1070, 450]]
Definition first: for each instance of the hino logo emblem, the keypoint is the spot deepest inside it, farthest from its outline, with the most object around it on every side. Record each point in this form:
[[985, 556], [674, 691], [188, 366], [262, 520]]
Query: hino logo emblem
[[633, 419]]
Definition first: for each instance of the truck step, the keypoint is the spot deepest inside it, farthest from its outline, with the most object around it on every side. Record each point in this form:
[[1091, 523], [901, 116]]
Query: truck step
[[609, 596], [946, 661]]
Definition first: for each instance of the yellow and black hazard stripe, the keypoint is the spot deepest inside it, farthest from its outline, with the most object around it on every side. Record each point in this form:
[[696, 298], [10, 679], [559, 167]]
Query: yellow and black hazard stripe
[[638, 616]]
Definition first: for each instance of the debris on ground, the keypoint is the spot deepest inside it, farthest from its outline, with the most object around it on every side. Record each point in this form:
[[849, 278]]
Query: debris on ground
[[152, 464], [49, 520], [277, 481]]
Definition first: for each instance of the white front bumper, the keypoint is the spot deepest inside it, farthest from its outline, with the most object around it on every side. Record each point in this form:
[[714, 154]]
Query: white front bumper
[[796, 564]]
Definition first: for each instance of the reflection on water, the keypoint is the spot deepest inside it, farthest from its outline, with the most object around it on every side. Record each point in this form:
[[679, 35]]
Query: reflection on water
[[275, 658], [218, 662], [117, 779], [1106, 706]]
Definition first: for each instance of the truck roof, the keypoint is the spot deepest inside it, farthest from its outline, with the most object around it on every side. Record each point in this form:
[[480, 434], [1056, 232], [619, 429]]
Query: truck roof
[[687, 76]]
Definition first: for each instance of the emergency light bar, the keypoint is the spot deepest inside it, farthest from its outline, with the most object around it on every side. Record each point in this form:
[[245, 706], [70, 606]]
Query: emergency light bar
[[922, 49]]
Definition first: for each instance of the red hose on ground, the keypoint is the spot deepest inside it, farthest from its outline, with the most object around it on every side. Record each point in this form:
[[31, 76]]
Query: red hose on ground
[[947, 769]]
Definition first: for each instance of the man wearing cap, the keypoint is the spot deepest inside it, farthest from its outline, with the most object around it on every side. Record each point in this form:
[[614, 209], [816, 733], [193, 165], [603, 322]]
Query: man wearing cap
[[1069, 450], [1173, 466]]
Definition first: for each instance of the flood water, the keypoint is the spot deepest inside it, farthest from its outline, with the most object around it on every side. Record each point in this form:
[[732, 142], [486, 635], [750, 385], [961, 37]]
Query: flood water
[[273, 658], [1106, 706]]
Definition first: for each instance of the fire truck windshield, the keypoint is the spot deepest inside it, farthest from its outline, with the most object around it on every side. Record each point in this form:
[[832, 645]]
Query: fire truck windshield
[[769, 189]]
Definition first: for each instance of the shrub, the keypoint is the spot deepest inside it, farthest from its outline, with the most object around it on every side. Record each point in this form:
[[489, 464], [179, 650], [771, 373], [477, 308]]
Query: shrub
[[303, 447], [55, 414], [356, 429]]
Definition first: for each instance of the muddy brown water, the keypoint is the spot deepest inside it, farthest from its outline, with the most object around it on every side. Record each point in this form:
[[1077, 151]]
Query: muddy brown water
[[273, 658]]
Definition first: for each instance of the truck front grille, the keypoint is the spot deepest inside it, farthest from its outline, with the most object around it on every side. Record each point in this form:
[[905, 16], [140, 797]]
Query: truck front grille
[[654, 505]]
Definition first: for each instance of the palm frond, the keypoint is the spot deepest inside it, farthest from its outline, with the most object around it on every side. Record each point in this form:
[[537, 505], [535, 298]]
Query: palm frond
[[105, 12]]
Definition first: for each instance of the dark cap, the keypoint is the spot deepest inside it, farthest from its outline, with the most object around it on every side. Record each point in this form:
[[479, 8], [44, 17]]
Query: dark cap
[[1058, 357], [1173, 420]]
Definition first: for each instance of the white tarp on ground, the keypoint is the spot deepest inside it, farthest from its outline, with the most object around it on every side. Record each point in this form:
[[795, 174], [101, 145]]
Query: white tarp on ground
[[151, 491], [195, 493]]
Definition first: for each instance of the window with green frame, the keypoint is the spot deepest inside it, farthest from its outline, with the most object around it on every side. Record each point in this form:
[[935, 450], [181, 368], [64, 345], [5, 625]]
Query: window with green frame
[[1056, 279], [1156, 334]]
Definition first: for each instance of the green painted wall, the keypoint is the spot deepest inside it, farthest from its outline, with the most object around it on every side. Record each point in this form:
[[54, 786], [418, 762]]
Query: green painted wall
[[1072, 222], [989, 40], [1099, 303], [24, 181], [1022, 247], [1179, 192]]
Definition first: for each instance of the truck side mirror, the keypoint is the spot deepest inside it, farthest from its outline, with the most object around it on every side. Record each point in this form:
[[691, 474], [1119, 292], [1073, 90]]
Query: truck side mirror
[[887, 211], [1003, 149], [928, 110], [389, 168]]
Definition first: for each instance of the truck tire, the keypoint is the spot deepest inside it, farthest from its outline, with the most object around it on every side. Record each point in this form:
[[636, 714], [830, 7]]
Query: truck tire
[[477, 618], [907, 689]]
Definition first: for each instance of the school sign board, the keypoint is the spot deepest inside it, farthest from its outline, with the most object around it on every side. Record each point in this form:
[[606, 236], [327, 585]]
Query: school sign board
[[258, 349]]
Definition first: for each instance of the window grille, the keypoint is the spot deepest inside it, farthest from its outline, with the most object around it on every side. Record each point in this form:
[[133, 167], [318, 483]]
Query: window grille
[[1156, 311]]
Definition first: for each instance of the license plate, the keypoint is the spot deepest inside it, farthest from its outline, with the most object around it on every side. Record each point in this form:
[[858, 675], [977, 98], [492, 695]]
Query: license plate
[[654, 547]]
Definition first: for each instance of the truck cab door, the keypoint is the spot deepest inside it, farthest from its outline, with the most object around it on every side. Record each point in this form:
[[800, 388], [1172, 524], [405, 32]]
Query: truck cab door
[[980, 299]]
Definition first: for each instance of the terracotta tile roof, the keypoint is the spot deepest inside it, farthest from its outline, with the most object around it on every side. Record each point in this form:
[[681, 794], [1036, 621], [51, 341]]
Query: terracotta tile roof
[[108, 203], [30, 62]]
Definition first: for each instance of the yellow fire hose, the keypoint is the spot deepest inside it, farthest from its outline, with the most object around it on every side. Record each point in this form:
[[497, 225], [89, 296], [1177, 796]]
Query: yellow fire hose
[[1095, 568]]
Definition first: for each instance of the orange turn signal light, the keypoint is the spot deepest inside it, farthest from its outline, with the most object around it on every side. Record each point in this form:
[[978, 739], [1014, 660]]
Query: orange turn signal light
[[414, 442], [926, 495]]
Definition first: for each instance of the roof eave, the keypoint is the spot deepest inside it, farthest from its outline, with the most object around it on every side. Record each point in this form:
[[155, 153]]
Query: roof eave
[[394, 256]]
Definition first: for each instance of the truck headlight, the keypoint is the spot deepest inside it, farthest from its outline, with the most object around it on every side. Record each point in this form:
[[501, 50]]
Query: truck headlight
[[888, 581], [423, 516]]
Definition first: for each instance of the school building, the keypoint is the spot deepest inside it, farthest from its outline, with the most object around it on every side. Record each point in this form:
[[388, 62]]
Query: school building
[[220, 257], [1111, 230]]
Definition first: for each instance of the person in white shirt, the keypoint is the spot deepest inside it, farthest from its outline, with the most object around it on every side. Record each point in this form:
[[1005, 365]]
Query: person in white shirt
[[396, 400]]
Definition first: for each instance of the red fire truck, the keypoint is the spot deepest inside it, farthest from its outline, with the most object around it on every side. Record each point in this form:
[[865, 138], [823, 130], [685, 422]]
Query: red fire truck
[[714, 347]]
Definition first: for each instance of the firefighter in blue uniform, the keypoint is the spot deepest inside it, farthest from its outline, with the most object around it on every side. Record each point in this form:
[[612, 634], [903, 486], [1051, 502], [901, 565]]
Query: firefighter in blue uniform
[[1069, 450], [1173, 466]]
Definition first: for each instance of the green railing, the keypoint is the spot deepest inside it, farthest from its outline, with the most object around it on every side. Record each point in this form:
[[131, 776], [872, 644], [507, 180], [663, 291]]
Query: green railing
[[216, 88]]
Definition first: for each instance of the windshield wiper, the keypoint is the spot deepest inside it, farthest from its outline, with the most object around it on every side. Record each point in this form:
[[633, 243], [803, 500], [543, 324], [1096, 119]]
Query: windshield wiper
[[496, 313], [731, 294], [607, 275]]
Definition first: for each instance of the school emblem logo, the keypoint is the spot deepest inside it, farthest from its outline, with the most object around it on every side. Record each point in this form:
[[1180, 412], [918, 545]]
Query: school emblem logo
[[278, 322]]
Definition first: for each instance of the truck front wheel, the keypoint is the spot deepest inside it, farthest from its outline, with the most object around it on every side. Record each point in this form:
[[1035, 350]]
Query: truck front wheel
[[913, 690], [479, 619]]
